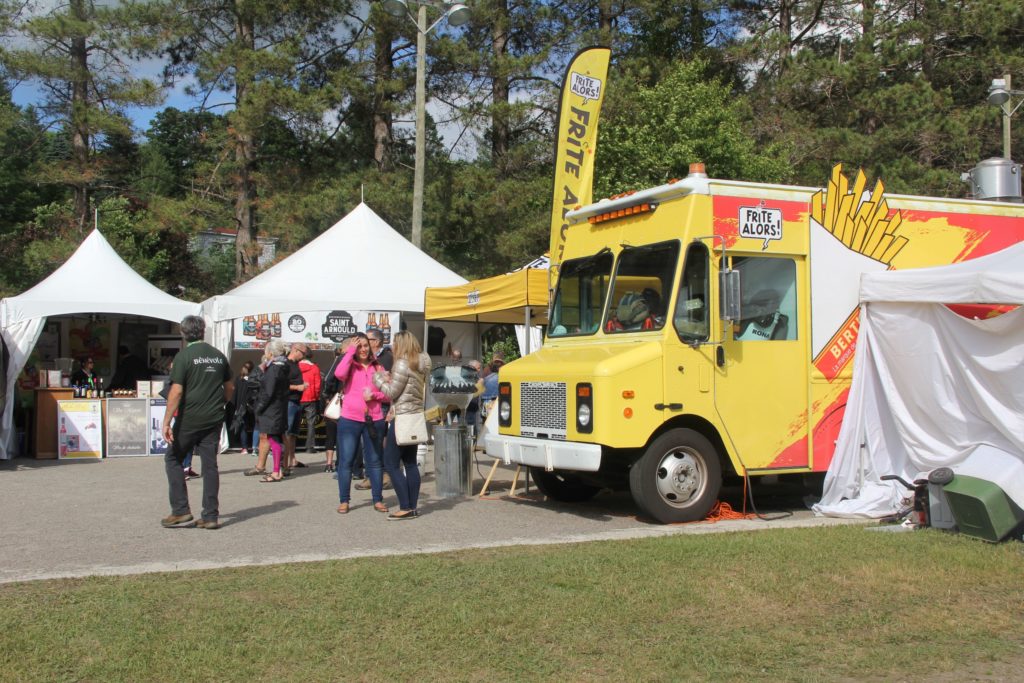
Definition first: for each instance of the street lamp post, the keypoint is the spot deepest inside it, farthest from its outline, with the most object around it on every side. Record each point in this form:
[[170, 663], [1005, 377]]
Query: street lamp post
[[1001, 95], [457, 14]]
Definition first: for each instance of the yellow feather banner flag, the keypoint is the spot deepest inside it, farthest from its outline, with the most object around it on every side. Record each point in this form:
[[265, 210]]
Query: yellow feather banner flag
[[579, 109]]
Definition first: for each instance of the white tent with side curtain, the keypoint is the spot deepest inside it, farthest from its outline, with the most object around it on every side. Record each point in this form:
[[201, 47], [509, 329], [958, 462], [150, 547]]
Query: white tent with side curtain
[[93, 280], [929, 384]]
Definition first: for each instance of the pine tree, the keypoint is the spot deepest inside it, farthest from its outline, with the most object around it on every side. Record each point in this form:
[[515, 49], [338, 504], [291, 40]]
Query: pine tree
[[78, 54]]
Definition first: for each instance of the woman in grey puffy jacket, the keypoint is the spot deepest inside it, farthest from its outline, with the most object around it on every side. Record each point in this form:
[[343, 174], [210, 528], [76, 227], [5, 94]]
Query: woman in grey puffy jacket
[[404, 387]]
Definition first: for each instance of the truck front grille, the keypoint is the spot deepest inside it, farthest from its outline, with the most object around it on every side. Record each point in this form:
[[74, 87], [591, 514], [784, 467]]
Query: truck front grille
[[542, 409]]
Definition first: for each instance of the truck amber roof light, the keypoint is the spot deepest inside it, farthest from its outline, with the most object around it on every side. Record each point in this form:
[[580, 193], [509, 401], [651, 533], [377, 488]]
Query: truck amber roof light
[[646, 207]]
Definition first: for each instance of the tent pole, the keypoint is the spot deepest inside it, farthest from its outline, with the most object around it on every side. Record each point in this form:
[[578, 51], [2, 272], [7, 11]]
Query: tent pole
[[529, 332]]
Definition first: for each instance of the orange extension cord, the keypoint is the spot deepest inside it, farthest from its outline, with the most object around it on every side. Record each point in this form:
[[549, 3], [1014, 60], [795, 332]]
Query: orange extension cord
[[722, 511]]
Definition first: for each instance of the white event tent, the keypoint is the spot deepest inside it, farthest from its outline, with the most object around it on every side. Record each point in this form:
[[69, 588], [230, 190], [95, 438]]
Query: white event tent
[[93, 280], [929, 385], [359, 263]]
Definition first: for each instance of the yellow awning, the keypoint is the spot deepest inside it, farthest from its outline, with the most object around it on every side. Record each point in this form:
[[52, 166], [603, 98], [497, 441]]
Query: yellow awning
[[498, 299]]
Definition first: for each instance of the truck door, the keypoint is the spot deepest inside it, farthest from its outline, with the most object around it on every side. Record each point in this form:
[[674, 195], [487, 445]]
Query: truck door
[[762, 391], [690, 358]]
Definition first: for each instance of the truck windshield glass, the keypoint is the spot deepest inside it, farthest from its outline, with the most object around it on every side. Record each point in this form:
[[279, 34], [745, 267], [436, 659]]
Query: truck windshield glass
[[643, 284], [579, 300], [691, 315]]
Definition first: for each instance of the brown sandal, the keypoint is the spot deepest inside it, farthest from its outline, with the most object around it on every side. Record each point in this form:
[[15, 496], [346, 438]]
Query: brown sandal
[[380, 507], [343, 509]]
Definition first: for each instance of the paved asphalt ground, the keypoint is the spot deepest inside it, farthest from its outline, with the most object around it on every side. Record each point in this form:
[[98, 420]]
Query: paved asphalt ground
[[102, 517]]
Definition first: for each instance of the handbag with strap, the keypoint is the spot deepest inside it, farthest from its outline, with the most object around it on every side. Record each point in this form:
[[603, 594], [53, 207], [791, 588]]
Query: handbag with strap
[[332, 411], [410, 429]]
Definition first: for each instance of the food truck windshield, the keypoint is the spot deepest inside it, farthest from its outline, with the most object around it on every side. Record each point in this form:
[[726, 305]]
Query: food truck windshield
[[637, 295]]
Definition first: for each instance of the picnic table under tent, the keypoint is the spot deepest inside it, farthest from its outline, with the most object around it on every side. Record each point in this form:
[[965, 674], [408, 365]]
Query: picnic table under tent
[[930, 384], [94, 279]]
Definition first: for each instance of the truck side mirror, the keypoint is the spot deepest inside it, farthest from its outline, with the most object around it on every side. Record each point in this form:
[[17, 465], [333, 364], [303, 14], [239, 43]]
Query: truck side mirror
[[729, 294]]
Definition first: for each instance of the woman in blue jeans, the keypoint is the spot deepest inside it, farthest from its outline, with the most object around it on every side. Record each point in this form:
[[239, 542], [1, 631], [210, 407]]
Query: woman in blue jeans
[[361, 418], [404, 388]]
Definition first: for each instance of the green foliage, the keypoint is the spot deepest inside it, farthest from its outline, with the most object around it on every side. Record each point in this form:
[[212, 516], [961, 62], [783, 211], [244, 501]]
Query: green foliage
[[79, 55], [500, 338], [314, 109], [899, 92], [649, 135], [23, 147]]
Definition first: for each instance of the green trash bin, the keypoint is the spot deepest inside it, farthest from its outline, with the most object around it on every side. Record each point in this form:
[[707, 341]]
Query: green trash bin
[[981, 508]]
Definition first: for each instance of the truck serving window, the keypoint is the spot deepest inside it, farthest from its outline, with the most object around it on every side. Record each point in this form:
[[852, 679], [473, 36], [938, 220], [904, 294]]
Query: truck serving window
[[582, 286], [691, 314], [642, 287], [768, 301]]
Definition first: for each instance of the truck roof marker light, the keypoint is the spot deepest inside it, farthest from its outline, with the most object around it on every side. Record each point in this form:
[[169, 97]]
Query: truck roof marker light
[[646, 207], [628, 393], [627, 413]]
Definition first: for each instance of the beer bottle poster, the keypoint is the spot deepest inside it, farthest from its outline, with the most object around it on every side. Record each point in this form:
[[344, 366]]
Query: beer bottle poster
[[320, 330], [79, 429]]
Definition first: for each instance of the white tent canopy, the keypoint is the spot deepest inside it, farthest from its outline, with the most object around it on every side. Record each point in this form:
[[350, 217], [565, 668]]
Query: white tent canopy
[[361, 263], [929, 385], [93, 280]]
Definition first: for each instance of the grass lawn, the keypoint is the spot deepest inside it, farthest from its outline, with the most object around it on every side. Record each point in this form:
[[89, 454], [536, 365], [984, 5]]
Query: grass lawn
[[819, 604]]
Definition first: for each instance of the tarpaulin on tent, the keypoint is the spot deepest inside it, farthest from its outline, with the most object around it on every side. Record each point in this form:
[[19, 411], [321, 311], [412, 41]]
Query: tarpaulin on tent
[[498, 299], [929, 385]]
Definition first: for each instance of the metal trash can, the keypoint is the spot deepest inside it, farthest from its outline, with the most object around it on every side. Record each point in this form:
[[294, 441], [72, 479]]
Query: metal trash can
[[453, 458]]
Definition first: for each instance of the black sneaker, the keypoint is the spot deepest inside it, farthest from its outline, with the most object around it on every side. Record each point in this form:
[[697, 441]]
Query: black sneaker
[[207, 524], [177, 521]]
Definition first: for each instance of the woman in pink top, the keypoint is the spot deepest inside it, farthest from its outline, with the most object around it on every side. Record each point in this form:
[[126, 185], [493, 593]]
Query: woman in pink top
[[361, 416]]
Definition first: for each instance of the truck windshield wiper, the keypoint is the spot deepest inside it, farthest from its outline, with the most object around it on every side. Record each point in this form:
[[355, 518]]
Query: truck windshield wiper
[[579, 264]]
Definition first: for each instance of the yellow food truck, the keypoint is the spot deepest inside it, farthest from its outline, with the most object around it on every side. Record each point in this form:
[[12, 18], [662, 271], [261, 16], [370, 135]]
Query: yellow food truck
[[706, 328]]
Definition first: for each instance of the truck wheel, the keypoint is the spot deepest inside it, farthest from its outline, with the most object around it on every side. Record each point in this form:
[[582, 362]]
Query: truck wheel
[[562, 486], [678, 478]]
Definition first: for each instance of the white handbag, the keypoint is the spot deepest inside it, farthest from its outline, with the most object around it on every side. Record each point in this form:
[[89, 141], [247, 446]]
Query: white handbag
[[410, 429], [332, 411]]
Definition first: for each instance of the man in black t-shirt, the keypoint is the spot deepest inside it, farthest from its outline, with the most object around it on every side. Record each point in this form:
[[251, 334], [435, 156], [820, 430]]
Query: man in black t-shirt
[[296, 385], [201, 382]]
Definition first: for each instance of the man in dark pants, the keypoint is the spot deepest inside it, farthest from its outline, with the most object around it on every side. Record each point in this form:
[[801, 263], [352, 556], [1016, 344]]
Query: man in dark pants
[[296, 385], [200, 385]]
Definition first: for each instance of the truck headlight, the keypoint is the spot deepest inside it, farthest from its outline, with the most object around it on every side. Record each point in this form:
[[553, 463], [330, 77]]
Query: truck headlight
[[583, 415], [504, 404], [584, 408]]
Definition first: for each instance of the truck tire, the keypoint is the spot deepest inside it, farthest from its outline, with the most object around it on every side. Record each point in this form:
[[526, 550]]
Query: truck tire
[[562, 486], [678, 478]]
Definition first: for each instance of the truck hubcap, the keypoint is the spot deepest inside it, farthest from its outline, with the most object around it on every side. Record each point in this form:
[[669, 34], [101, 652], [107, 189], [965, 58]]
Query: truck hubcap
[[681, 477]]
